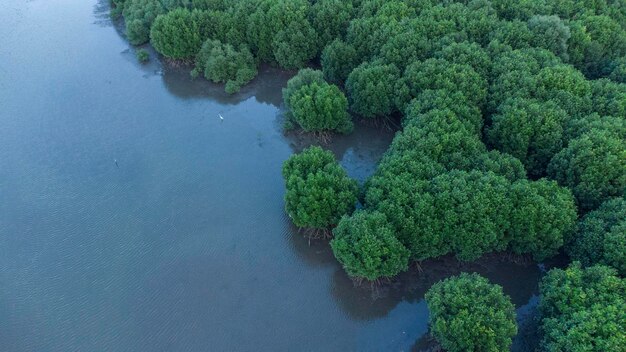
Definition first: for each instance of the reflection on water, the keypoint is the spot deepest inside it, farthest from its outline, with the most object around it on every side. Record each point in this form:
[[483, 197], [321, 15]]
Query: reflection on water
[[133, 219]]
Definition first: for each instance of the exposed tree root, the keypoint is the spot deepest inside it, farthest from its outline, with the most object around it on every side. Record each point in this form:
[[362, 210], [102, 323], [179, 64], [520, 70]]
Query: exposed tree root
[[325, 137], [316, 233], [176, 63]]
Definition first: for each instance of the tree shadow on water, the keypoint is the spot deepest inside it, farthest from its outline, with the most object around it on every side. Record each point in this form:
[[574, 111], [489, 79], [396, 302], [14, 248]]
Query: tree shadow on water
[[364, 302]]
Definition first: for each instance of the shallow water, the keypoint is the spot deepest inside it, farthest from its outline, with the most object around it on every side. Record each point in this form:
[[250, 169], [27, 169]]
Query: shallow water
[[133, 219]]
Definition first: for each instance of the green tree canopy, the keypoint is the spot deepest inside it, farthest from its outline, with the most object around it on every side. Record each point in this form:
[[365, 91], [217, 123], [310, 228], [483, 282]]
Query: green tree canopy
[[583, 310], [320, 107], [319, 192], [581, 125], [330, 19], [593, 166], [530, 130], [304, 77], [601, 238], [443, 99], [338, 60], [550, 32], [177, 34], [365, 245], [468, 313], [222, 63], [542, 216], [138, 16], [441, 74], [608, 98], [370, 89], [466, 53]]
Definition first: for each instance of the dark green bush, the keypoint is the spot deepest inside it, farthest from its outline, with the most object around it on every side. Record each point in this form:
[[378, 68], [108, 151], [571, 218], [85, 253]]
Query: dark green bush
[[583, 310], [468, 313], [304, 77], [178, 34], [601, 236], [530, 130], [142, 56], [319, 192], [593, 166], [139, 16], [550, 32], [542, 217], [365, 245], [222, 63], [338, 60], [443, 99], [320, 107], [441, 74], [371, 89]]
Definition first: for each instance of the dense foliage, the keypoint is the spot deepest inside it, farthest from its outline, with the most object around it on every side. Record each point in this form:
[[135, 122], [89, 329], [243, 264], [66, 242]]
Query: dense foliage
[[593, 166], [139, 15], [319, 192], [467, 313], [601, 236], [223, 63], [583, 310], [177, 34], [367, 248], [371, 89], [530, 130], [320, 107]]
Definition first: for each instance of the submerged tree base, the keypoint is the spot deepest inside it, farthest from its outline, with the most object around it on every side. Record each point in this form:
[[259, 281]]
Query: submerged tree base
[[325, 137], [374, 285], [177, 63], [316, 233]]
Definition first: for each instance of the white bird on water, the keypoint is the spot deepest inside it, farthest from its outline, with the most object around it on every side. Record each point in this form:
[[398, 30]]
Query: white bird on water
[[221, 117]]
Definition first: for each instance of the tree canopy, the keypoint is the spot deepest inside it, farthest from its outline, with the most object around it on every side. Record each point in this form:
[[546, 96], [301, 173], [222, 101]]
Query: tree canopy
[[583, 310], [367, 248], [320, 107], [223, 63], [468, 313], [601, 238], [319, 192]]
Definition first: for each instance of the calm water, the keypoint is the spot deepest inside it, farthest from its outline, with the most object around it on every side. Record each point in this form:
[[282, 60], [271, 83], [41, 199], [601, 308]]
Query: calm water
[[184, 244]]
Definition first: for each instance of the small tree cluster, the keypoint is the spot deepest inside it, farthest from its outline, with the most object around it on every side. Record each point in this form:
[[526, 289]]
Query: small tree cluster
[[177, 34], [222, 63], [593, 166], [138, 16], [321, 107], [530, 130], [583, 310], [468, 313], [371, 89], [367, 248], [319, 192], [601, 236]]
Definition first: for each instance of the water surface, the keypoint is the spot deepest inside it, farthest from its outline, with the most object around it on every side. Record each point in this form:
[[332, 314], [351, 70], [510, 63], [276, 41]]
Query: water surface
[[133, 219]]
